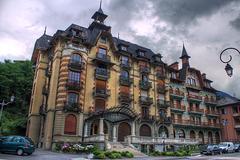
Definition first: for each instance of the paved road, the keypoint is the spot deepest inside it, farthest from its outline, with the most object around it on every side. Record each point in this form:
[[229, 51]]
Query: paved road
[[47, 155]]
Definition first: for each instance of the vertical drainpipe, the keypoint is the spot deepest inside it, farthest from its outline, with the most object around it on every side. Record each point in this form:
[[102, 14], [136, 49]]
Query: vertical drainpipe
[[155, 98]]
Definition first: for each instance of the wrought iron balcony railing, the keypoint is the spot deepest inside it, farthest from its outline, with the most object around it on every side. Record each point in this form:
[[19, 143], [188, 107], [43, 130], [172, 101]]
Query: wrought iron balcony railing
[[101, 73], [178, 108], [210, 101], [145, 100], [194, 98], [104, 93], [78, 66], [126, 66], [72, 107], [103, 58], [212, 112], [74, 85], [144, 70], [145, 85], [195, 110], [195, 123], [125, 81], [125, 97], [163, 104]]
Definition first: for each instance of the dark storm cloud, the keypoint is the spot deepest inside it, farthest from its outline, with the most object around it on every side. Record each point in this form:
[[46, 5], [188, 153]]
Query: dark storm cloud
[[236, 23], [186, 11]]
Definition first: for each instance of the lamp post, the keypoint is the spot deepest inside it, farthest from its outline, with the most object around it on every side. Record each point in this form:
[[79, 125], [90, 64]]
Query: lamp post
[[1, 111], [228, 67]]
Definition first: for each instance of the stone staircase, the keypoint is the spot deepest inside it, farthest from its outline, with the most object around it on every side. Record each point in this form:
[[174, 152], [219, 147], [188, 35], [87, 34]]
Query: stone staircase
[[121, 146]]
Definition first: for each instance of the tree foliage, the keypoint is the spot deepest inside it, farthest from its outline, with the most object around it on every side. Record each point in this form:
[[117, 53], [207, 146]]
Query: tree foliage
[[16, 79]]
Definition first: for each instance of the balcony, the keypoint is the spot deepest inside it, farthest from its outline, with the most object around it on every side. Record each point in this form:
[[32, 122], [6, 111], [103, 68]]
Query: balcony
[[181, 122], [77, 66], [165, 120], [103, 59], [176, 94], [163, 103], [101, 74], [126, 66], [125, 97], [125, 81], [146, 101], [211, 112], [102, 93], [179, 108], [194, 98], [145, 85], [72, 107], [210, 102], [147, 118], [161, 89], [144, 70], [74, 86], [236, 114], [160, 75], [195, 111]]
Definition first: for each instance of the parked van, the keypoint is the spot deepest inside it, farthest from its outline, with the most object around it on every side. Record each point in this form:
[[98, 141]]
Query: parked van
[[227, 147]]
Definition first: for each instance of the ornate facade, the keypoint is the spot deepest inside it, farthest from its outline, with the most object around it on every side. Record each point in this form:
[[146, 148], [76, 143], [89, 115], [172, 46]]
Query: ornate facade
[[91, 87]]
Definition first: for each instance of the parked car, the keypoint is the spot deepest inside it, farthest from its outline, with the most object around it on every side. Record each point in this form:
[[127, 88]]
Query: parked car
[[236, 147], [17, 144], [227, 147], [211, 150]]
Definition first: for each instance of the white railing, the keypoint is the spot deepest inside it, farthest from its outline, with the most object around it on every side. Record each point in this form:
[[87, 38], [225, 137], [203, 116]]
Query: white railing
[[96, 138], [158, 140]]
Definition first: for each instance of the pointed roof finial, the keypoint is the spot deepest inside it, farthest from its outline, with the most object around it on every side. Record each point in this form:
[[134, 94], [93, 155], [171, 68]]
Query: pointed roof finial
[[45, 30], [100, 7], [184, 53], [118, 35]]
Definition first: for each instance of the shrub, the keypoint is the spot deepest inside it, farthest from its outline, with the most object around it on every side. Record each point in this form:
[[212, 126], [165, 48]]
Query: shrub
[[101, 155], [129, 155], [170, 154], [58, 147]]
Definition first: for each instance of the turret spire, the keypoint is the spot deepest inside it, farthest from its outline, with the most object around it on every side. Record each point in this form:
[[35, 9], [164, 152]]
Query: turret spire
[[185, 58]]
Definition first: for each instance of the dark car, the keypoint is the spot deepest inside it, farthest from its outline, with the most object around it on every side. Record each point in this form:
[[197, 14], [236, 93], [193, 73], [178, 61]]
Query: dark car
[[236, 147], [17, 144], [211, 150]]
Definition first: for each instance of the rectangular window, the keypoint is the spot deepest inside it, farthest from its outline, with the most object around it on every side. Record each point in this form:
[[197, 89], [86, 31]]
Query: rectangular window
[[102, 52], [141, 53], [74, 77], [124, 60], [145, 112], [72, 98]]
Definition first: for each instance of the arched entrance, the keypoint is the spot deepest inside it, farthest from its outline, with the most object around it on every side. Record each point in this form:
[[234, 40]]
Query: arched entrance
[[217, 137], [163, 132], [181, 133], [145, 130], [124, 129], [201, 137], [210, 138], [192, 135]]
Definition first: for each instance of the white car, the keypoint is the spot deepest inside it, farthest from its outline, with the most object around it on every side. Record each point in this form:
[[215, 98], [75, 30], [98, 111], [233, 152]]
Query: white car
[[227, 147]]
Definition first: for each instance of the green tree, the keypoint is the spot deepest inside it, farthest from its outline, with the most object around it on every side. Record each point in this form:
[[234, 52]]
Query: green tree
[[16, 79]]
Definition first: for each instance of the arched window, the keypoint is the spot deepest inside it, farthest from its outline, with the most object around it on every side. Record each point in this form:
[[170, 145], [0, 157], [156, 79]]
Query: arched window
[[181, 133], [124, 74], [163, 132], [201, 137], [210, 138], [72, 98], [70, 124], [76, 58], [192, 134], [145, 130]]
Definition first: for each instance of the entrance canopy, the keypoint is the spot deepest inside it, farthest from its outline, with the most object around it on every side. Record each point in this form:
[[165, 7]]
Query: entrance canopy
[[115, 114]]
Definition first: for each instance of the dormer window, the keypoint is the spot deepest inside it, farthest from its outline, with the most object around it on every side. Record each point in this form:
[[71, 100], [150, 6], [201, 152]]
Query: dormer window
[[173, 75], [123, 48], [103, 39], [158, 59], [141, 53]]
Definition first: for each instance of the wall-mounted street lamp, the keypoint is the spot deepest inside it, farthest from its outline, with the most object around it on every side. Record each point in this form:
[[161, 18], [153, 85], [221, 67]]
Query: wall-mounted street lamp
[[228, 67]]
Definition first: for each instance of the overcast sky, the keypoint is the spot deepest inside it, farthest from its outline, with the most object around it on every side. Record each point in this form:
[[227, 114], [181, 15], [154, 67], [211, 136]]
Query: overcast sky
[[205, 26]]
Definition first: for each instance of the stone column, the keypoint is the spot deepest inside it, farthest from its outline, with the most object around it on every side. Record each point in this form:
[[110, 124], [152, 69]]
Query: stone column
[[133, 129], [85, 129], [101, 126], [114, 133]]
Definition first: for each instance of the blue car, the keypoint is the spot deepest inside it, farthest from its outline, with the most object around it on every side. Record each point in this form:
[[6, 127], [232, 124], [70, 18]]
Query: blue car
[[16, 144]]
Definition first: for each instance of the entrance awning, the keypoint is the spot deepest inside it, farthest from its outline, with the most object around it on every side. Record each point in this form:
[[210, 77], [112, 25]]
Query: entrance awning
[[115, 114]]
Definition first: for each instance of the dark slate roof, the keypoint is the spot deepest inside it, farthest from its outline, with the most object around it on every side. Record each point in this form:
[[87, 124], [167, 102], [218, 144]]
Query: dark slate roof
[[132, 49], [43, 43], [224, 99], [184, 53]]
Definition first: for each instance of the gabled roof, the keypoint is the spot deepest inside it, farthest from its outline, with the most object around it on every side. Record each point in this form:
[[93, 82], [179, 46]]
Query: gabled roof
[[224, 99]]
